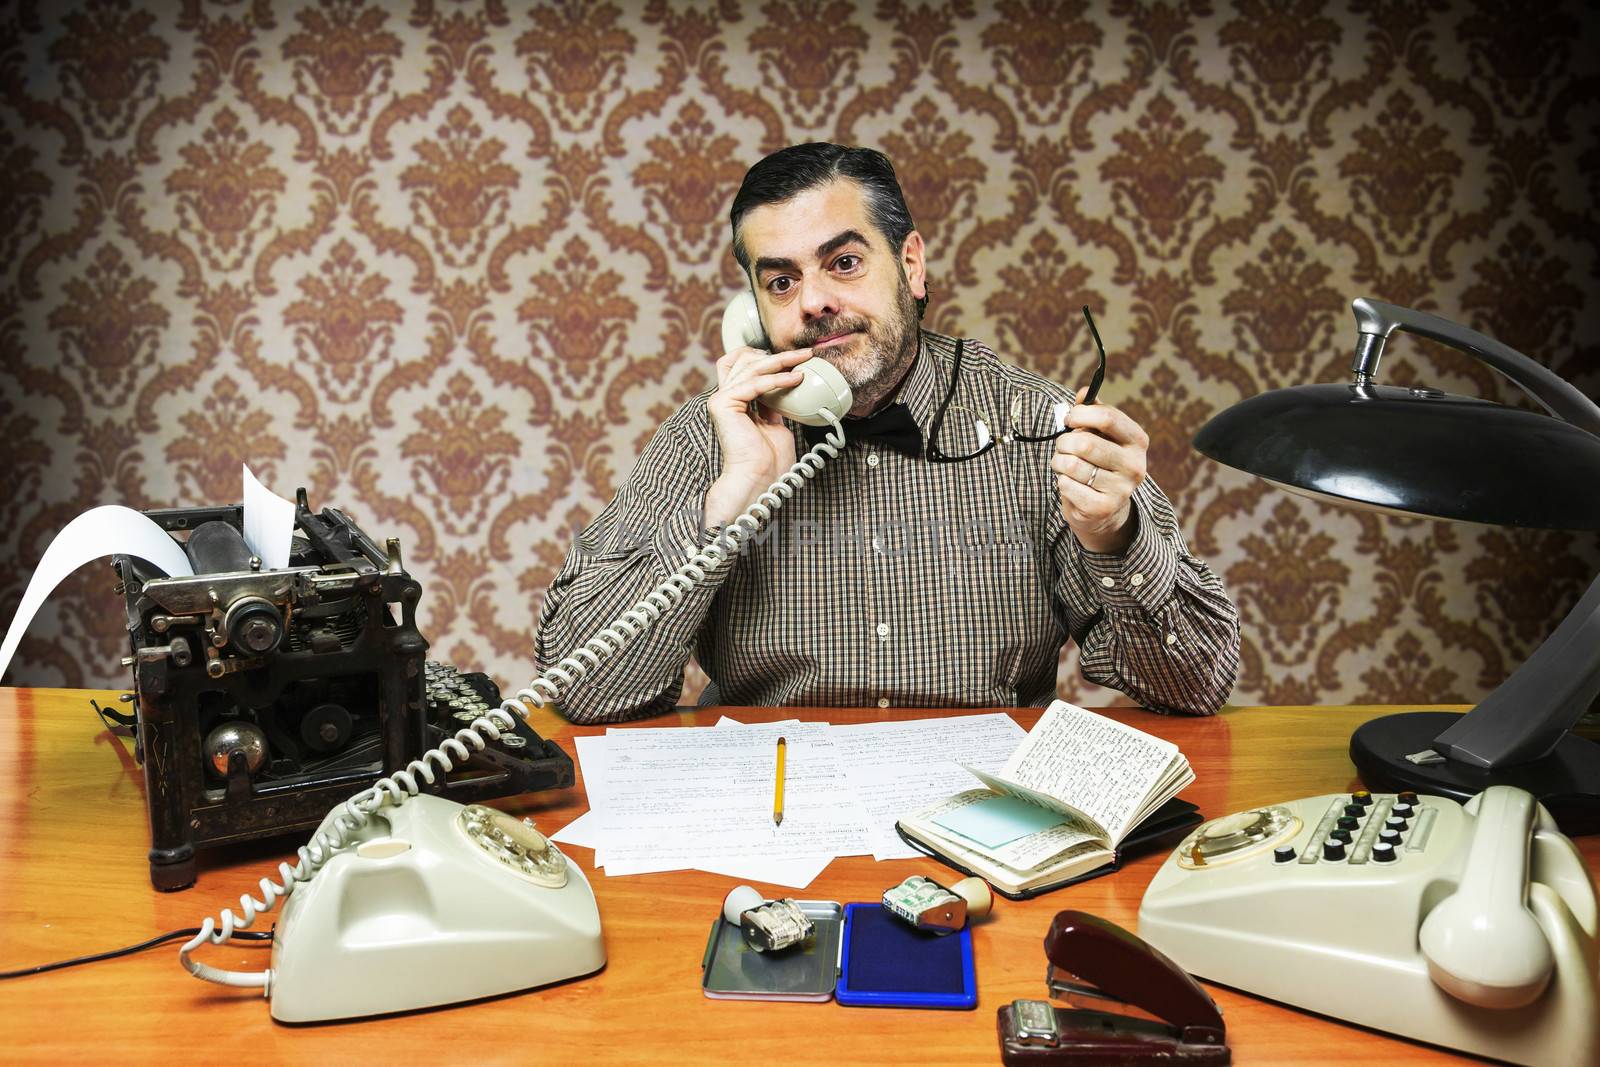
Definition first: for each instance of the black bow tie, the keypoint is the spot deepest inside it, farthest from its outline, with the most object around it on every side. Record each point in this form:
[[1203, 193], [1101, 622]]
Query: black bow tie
[[892, 427]]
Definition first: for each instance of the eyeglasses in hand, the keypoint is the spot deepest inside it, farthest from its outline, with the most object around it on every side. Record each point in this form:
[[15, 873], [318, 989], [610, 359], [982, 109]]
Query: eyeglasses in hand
[[959, 433]]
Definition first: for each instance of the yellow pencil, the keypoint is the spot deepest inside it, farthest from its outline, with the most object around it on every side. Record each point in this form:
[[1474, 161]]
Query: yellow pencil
[[777, 788]]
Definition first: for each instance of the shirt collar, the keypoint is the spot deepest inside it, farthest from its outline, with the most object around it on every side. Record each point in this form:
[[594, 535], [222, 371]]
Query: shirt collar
[[925, 385]]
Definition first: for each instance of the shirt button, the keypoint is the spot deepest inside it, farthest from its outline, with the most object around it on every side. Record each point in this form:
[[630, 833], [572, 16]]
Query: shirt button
[[1107, 582], [877, 545], [1136, 579], [1172, 639], [883, 629], [872, 459], [883, 702]]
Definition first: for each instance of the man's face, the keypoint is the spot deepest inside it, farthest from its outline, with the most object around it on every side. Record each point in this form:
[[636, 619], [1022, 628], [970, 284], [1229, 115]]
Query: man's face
[[825, 278]]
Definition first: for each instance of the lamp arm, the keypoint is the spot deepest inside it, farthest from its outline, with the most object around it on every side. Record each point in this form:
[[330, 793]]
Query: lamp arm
[[1532, 710], [1376, 320]]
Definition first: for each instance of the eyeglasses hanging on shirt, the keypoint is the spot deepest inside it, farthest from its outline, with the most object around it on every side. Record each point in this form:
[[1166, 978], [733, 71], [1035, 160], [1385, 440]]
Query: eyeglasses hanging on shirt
[[959, 433]]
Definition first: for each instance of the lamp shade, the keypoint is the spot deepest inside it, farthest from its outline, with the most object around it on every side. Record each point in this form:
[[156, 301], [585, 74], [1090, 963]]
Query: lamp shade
[[1415, 451]]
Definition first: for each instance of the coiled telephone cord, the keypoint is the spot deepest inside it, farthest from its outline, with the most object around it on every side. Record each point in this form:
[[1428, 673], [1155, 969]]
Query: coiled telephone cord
[[396, 788]]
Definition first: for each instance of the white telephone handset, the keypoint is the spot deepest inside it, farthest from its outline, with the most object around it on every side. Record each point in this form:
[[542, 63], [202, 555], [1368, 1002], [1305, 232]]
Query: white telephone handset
[[395, 886], [823, 387], [1482, 943]]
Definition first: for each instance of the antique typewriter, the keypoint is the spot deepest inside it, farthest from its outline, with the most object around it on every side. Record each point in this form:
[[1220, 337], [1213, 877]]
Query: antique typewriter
[[263, 698]]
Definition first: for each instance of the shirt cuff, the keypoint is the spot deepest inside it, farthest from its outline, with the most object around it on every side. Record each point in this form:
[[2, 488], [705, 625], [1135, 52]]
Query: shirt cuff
[[1142, 576]]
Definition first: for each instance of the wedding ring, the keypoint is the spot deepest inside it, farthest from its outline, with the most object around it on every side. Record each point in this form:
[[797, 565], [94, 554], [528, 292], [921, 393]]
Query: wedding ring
[[1093, 474]]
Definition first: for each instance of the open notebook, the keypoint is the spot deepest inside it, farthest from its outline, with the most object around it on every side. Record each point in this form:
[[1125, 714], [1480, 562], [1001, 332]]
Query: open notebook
[[1079, 792]]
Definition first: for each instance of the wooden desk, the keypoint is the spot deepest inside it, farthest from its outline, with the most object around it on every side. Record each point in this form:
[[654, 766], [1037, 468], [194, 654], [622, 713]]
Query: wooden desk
[[73, 880]]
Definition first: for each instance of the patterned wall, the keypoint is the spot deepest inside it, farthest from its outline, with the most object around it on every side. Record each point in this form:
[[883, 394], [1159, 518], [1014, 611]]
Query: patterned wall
[[448, 264]]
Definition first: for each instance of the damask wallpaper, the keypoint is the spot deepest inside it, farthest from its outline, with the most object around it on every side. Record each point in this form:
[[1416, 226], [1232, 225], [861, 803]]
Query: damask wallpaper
[[448, 264]]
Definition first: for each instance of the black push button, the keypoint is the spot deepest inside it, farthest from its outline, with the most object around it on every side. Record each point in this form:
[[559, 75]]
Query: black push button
[[1391, 836], [1383, 852], [1340, 835], [1407, 797], [1282, 854], [1404, 811], [1354, 811], [1347, 823], [1362, 797], [1396, 823], [1333, 849]]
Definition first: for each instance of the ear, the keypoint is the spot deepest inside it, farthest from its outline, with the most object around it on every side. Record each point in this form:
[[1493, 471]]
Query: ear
[[913, 260]]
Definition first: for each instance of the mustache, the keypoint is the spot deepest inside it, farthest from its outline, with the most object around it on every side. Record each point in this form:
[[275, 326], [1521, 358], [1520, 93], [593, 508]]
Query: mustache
[[827, 328]]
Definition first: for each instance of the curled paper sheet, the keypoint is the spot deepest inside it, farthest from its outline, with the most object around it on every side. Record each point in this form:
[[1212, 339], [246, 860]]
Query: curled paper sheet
[[102, 531], [268, 523]]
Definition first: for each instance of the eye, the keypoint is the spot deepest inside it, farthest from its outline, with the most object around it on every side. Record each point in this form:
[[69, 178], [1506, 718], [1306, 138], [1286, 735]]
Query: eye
[[847, 263], [779, 285]]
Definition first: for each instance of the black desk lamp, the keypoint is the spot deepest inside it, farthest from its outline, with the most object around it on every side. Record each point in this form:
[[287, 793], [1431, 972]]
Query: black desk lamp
[[1423, 452]]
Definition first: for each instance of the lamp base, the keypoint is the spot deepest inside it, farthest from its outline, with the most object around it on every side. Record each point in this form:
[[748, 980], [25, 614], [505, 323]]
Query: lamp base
[[1566, 782]]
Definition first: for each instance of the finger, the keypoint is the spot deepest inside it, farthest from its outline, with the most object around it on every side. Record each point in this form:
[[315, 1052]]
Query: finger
[[1072, 466], [1085, 505], [747, 389], [1108, 422], [1096, 479], [752, 361], [1103, 453]]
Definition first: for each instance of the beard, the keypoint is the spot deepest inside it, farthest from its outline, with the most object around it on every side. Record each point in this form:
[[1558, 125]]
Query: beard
[[877, 357]]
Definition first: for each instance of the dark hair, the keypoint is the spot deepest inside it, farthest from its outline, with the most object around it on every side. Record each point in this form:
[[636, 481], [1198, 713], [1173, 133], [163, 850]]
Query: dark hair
[[788, 172]]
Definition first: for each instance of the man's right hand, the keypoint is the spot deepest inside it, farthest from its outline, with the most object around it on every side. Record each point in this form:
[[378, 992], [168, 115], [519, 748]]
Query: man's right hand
[[757, 447]]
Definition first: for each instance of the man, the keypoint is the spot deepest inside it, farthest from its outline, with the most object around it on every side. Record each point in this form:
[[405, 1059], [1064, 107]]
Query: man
[[889, 578]]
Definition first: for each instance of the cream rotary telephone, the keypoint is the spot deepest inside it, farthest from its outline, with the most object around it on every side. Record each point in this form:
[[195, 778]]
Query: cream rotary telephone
[[1469, 926], [403, 900]]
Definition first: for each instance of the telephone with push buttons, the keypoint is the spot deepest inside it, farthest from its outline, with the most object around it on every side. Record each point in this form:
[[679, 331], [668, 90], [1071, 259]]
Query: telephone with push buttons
[[1470, 926]]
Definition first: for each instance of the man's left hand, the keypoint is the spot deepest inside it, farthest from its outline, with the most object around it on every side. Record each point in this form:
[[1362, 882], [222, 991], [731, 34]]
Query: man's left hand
[[1097, 469]]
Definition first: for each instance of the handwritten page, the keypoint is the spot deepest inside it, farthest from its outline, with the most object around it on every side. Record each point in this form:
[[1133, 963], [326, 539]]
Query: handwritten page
[[899, 767], [1108, 770]]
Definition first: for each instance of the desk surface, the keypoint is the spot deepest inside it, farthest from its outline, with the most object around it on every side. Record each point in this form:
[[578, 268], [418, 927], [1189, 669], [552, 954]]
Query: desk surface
[[75, 881]]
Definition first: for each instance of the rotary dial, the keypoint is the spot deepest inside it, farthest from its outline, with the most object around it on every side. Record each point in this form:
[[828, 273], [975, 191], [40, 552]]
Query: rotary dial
[[514, 844]]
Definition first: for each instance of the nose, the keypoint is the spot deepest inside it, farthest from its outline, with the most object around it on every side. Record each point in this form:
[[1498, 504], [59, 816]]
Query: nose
[[818, 298]]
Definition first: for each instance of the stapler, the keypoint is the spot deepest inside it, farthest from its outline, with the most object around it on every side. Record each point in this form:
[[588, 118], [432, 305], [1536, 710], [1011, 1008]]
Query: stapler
[[1092, 957]]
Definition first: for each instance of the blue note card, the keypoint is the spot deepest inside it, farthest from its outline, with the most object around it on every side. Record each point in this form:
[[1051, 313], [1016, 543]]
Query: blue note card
[[999, 820]]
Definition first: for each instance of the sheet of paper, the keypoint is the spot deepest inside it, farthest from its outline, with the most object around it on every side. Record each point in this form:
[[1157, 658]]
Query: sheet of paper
[[898, 768], [102, 531], [1105, 769], [796, 874], [702, 797], [583, 831], [268, 522], [593, 757], [998, 820]]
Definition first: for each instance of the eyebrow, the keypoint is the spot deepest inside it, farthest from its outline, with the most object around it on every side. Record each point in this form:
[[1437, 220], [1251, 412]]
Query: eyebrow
[[825, 249]]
